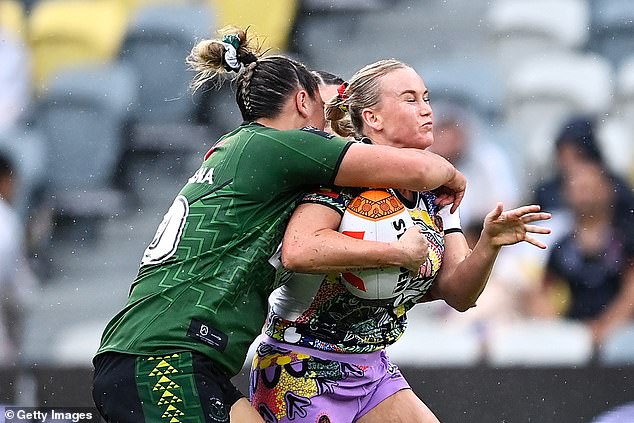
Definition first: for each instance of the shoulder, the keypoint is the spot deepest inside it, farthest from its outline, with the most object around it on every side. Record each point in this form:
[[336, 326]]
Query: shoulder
[[310, 133], [317, 132]]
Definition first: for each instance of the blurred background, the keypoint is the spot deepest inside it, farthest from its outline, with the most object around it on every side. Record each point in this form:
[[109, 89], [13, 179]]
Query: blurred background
[[533, 101]]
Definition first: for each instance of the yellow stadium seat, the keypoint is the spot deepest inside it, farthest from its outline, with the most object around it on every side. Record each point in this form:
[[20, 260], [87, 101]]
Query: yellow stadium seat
[[271, 20], [133, 5], [12, 17], [68, 32]]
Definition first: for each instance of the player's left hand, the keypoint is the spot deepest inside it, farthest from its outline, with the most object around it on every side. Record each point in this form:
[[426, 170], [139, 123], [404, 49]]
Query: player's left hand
[[513, 226]]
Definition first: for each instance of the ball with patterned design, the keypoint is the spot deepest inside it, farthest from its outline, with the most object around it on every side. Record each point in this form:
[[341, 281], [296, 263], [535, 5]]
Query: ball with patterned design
[[376, 215]]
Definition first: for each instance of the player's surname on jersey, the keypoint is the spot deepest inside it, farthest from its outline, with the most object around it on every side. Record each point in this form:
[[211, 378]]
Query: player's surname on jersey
[[202, 176]]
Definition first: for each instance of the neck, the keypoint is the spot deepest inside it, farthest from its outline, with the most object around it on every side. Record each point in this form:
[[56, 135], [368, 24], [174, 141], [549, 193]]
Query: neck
[[281, 124], [596, 219], [376, 137]]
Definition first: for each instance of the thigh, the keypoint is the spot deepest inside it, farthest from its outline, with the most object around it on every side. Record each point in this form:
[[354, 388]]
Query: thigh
[[175, 387], [243, 412], [402, 407], [219, 398], [114, 389], [288, 387]]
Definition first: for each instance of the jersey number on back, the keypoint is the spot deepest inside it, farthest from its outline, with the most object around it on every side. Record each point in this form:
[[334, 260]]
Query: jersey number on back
[[168, 234]]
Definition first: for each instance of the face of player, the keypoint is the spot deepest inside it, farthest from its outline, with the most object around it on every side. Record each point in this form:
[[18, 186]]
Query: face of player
[[404, 110], [315, 107], [327, 92]]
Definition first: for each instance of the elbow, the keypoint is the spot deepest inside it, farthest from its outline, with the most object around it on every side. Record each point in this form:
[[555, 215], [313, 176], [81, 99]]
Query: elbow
[[461, 305], [464, 307], [296, 259], [291, 259]]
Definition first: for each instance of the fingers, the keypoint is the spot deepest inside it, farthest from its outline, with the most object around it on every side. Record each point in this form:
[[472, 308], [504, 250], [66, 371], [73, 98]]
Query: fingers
[[496, 212], [535, 242], [456, 201], [524, 210], [443, 200], [536, 229], [535, 217]]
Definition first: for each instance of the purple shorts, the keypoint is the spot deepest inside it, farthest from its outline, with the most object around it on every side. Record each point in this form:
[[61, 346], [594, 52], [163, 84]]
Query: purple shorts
[[295, 384]]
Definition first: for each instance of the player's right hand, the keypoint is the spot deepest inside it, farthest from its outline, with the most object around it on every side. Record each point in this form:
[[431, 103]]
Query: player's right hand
[[415, 247]]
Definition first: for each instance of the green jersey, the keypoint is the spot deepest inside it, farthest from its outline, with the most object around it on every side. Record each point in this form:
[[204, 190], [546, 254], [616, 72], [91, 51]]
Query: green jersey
[[205, 278]]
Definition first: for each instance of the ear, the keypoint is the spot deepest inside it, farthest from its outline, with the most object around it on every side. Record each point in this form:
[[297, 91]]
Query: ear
[[302, 104], [372, 119]]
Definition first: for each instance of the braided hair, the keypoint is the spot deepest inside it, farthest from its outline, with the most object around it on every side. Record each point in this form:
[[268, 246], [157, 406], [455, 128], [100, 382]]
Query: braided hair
[[263, 84]]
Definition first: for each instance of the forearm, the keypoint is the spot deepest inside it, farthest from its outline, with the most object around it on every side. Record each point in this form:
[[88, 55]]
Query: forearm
[[389, 167], [466, 273], [330, 251]]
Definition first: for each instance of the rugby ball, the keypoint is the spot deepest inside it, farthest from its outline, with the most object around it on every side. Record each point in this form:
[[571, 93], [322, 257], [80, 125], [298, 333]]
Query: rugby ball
[[376, 215]]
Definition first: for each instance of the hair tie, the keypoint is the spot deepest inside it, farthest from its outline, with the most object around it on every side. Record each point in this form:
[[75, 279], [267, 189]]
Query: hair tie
[[231, 43], [341, 91], [341, 97]]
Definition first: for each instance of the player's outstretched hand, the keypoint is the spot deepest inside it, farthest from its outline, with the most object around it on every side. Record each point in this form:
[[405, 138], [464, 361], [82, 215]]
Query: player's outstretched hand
[[513, 226]]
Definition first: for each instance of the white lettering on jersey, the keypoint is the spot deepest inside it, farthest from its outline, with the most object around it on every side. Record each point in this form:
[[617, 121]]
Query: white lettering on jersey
[[203, 175]]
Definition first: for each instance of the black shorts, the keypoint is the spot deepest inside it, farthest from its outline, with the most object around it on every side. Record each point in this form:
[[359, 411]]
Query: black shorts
[[181, 387]]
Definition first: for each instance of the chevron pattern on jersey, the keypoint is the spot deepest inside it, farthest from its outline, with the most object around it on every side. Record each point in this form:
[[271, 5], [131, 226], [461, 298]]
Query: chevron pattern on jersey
[[209, 261]]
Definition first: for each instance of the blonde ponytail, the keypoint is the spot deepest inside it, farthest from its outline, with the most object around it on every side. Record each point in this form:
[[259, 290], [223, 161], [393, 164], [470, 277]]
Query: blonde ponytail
[[209, 58]]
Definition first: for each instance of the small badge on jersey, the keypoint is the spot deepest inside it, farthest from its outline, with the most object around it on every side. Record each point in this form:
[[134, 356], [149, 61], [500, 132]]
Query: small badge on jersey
[[316, 131], [207, 334]]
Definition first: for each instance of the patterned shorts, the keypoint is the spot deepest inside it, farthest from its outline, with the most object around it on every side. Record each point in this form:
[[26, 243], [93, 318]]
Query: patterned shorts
[[295, 384], [183, 387]]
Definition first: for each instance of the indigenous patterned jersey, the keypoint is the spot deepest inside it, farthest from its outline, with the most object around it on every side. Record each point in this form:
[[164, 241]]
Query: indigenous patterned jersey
[[205, 277], [319, 312]]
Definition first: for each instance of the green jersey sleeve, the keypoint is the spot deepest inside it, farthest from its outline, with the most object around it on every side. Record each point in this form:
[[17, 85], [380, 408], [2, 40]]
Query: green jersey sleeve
[[293, 159]]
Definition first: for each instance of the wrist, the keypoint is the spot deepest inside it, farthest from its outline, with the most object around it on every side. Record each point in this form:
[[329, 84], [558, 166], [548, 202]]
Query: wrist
[[488, 242], [450, 221]]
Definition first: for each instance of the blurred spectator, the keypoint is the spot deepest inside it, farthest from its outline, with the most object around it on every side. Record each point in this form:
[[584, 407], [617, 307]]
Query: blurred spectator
[[16, 280], [15, 80], [576, 143], [589, 275], [486, 166]]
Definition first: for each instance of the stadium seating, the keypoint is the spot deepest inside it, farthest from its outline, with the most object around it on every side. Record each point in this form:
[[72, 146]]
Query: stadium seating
[[78, 343], [521, 30], [473, 84], [540, 343], [133, 5], [12, 17], [618, 348], [273, 31], [612, 29], [624, 109], [156, 44], [543, 92], [68, 32], [83, 115], [433, 342], [625, 91], [616, 140], [27, 149]]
